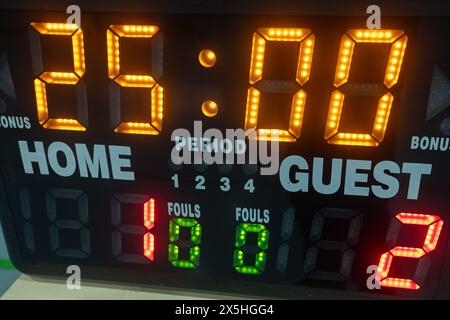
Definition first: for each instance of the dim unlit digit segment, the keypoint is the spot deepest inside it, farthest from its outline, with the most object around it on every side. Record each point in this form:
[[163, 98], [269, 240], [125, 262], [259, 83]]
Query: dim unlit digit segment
[[242, 231], [398, 46], [61, 78], [68, 196], [118, 202], [344, 248], [28, 231], [195, 230], [155, 110], [287, 226], [260, 38], [434, 224]]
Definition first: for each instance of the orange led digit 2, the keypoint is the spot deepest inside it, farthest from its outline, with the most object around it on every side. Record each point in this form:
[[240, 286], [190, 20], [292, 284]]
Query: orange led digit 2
[[256, 148]]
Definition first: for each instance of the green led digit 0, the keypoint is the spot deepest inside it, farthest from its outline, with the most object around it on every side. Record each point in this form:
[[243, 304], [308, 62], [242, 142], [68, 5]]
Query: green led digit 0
[[194, 250], [263, 244]]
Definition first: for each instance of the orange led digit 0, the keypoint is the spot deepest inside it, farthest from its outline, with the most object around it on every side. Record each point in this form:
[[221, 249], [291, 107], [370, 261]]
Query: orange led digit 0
[[55, 77], [398, 46], [306, 40], [113, 35]]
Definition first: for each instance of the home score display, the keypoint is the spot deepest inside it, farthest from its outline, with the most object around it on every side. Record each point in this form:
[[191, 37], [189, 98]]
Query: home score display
[[352, 123]]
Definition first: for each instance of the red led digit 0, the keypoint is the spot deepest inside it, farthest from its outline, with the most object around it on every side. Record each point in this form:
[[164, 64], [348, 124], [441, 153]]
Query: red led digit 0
[[434, 224], [398, 45], [113, 35], [63, 78], [306, 40], [149, 222]]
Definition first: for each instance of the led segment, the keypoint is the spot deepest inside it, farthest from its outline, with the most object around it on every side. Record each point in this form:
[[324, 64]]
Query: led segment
[[305, 60], [398, 45], [78, 53], [382, 116], [61, 29], [113, 54], [149, 222], [434, 224], [135, 31], [395, 62], [274, 135], [194, 251], [260, 38], [284, 34], [63, 78], [344, 61], [297, 109], [334, 113], [251, 116], [263, 244], [374, 36], [135, 81], [415, 218], [41, 101], [354, 139], [59, 77], [113, 35], [257, 61]]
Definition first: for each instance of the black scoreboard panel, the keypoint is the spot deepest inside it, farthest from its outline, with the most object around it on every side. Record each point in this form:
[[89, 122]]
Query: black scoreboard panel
[[356, 120]]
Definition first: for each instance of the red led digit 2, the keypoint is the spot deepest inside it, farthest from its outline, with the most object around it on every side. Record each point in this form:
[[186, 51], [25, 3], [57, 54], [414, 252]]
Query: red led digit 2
[[434, 224]]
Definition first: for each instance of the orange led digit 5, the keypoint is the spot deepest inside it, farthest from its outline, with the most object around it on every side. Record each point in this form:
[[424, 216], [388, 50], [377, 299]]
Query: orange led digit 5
[[113, 34], [348, 41]]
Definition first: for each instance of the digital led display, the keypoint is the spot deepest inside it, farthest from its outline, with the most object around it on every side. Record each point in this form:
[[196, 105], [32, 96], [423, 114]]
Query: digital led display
[[354, 120]]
